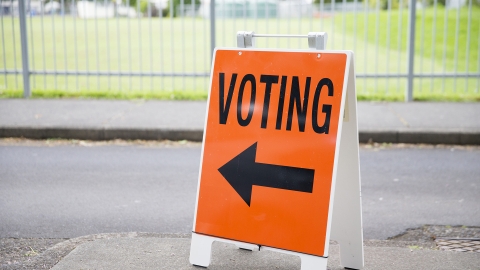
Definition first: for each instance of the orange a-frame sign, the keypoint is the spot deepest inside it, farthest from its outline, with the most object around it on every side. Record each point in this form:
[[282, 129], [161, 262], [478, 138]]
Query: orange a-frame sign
[[271, 147]]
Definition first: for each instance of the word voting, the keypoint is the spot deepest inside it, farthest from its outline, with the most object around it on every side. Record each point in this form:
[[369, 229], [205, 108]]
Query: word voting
[[296, 103]]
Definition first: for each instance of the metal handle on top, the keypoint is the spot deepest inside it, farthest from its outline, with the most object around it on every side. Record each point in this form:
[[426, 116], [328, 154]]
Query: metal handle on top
[[316, 40]]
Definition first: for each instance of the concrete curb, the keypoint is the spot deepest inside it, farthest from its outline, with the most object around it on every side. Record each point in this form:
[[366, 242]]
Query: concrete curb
[[420, 136], [459, 137], [100, 134]]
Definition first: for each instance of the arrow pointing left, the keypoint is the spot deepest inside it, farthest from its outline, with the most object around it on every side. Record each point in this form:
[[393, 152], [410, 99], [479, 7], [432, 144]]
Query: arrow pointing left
[[242, 172]]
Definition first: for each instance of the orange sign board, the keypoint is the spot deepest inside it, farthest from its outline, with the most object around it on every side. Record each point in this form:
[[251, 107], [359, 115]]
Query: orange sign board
[[269, 148]]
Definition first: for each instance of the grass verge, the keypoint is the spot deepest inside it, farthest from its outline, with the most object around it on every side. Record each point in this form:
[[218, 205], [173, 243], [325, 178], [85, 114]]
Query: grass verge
[[203, 95], [99, 94]]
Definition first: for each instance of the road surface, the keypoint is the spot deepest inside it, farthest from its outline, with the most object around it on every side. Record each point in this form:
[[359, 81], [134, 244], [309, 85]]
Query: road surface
[[67, 190]]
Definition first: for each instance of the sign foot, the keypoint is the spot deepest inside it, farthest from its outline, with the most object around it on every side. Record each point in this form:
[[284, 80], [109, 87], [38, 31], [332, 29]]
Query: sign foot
[[313, 263], [201, 250], [308, 262]]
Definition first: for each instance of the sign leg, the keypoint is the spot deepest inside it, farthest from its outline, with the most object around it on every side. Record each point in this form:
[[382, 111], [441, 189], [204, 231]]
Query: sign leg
[[201, 250], [308, 262], [313, 263], [347, 209]]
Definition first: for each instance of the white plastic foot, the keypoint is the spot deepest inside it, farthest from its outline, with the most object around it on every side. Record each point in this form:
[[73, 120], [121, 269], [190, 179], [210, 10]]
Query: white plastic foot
[[351, 254], [308, 262], [201, 250]]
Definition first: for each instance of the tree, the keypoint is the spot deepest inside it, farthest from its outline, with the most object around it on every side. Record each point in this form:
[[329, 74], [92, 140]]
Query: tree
[[177, 3], [132, 3], [394, 4], [336, 1]]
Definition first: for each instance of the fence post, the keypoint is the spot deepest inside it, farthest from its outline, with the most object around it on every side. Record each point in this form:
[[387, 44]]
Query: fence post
[[412, 6], [212, 26], [23, 39]]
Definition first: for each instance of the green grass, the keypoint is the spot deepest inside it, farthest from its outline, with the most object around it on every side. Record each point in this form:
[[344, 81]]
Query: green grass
[[112, 94], [431, 41], [165, 45]]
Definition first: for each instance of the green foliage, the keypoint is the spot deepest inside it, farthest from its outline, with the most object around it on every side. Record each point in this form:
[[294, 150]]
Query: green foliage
[[384, 4], [439, 2], [442, 2], [177, 4], [147, 8], [144, 6], [132, 3], [336, 1]]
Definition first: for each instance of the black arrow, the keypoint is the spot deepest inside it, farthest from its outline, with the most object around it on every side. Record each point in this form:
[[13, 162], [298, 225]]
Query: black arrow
[[242, 172]]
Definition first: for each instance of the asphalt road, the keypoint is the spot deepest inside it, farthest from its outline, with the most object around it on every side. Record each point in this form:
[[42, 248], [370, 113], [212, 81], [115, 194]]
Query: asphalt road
[[65, 191]]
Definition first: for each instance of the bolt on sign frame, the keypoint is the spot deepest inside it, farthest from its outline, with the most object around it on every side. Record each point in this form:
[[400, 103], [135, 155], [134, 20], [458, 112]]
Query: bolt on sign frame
[[280, 159]]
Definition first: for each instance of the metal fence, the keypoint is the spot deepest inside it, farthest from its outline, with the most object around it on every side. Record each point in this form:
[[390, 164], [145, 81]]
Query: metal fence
[[403, 48]]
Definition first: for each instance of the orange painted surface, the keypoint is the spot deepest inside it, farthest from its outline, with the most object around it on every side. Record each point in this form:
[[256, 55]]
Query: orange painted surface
[[280, 218]]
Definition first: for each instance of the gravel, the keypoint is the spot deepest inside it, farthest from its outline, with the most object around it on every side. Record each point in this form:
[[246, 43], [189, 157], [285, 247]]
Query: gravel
[[18, 253], [428, 233]]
